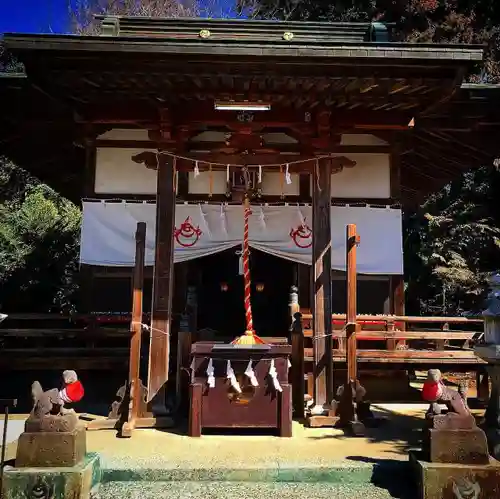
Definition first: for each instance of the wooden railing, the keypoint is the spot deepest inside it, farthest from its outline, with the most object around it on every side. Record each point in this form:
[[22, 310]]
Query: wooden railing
[[383, 340]]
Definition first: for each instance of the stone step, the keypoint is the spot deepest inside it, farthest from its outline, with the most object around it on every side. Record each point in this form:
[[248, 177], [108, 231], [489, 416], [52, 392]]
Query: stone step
[[241, 490], [335, 474]]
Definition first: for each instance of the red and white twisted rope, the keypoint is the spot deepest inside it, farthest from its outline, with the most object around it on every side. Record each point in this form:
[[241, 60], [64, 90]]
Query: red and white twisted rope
[[246, 269]]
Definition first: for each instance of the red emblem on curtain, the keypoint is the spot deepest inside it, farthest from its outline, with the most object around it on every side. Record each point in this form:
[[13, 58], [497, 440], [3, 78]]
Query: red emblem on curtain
[[302, 236], [187, 234]]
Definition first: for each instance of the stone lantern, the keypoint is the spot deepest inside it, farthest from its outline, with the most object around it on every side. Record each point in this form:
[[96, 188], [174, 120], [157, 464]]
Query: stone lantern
[[492, 313], [490, 352]]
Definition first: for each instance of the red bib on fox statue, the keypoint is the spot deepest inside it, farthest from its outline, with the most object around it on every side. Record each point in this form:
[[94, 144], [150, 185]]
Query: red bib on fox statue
[[73, 389], [431, 391]]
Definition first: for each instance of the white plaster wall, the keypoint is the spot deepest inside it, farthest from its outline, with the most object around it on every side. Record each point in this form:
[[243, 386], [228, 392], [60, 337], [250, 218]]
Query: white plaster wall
[[116, 173], [271, 184], [370, 178], [201, 184], [125, 134], [361, 139]]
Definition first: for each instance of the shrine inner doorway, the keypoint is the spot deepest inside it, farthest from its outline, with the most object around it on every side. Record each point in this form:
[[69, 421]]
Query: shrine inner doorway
[[221, 298]]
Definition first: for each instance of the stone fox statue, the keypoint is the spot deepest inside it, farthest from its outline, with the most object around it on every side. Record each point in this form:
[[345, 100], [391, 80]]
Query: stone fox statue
[[52, 401], [436, 392]]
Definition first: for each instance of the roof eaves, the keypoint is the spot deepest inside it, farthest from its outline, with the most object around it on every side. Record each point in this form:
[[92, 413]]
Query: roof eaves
[[373, 50]]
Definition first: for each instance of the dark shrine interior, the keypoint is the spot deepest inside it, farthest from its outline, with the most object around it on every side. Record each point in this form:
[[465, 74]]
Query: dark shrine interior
[[220, 293], [221, 301]]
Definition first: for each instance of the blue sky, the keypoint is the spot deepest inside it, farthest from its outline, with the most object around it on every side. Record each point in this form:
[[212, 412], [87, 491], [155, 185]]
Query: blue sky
[[33, 16], [45, 16]]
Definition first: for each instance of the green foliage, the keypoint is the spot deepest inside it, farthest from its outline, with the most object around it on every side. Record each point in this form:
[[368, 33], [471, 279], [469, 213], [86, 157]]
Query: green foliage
[[8, 63], [39, 237], [425, 21], [452, 244], [82, 11]]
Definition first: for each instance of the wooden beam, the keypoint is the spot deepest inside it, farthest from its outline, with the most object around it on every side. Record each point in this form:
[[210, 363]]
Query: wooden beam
[[322, 287], [406, 356], [404, 335], [203, 114], [127, 144], [161, 310], [304, 148]]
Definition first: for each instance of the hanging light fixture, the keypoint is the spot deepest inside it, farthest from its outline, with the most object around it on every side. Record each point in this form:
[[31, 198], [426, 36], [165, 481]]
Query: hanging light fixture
[[224, 287], [241, 106], [259, 287]]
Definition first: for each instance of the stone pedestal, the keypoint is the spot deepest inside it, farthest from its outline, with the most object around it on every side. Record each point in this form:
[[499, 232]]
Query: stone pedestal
[[454, 481], [491, 353], [48, 449], [76, 482], [458, 446]]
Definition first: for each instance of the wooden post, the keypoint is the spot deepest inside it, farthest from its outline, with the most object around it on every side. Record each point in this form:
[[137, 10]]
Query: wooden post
[[482, 385], [130, 406], [187, 329], [136, 330], [351, 392], [352, 325], [196, 396], [294, 302], [161, 310], [285, 410], [5, 404], [397, 304], [322, 289], [297, 369]]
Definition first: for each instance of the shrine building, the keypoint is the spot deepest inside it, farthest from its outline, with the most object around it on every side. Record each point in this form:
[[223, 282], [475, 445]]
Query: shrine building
[[172, 122]]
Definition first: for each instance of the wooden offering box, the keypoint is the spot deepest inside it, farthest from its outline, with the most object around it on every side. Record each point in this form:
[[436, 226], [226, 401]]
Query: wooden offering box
[[221, 406]]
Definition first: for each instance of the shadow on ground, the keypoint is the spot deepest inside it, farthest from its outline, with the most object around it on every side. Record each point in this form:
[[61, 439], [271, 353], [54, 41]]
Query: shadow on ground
[[392, 475], [403, 431]]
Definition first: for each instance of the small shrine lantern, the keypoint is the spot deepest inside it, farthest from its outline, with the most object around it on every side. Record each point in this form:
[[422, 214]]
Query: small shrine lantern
[[492, 313]]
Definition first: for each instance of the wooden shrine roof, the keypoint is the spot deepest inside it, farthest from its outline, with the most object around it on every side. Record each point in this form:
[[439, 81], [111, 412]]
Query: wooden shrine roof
[[151, 73], [142, 63]]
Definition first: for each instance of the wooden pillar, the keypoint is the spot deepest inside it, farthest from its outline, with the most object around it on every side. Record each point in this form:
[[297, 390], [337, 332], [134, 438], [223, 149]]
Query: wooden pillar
[[395, 170], [352, 240], [161, 310], [397, 305], [482, 385], [297, 369], [187, 330], [352, 393], [322, 288], [136, 330], [304, 285], [396, 283], [86, 272]]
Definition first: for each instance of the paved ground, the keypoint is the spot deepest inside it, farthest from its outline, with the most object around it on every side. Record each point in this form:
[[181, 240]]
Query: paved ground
[[244, 490], [318, 462], [307, 447]]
